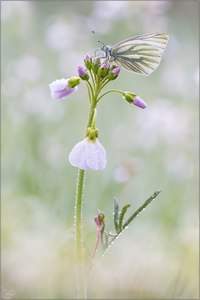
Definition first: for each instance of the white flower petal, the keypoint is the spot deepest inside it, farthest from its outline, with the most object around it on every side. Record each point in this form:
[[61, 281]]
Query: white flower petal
[[95, 155], [88, 155], [58, 84], [77, 157], [60, 89]]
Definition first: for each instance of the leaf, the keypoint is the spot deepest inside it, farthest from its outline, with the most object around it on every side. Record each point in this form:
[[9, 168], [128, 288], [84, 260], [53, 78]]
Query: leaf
[[121, 217], [136, 213], [116, 213], [147, 202]]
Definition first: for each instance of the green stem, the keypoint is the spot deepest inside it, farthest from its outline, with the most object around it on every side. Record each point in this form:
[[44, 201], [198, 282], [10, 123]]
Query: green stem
[[89, 93], [102, 84], [90, 89], [81, 285], [93, 92], [110, 91], [91, 74], [91, 114], [80, 266]]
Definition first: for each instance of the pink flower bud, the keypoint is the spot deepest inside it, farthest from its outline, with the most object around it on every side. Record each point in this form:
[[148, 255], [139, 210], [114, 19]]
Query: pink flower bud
[[88, 62], [116, 71], [104, 66], [87, 57], [139, 102], [81, 71], [134, 99]]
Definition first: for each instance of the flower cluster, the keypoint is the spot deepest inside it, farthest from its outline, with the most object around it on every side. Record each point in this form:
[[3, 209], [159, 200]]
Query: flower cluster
[[97, 73]]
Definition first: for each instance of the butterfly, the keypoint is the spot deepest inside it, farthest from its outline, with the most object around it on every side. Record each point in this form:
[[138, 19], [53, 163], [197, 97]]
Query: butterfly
[[140, 54]]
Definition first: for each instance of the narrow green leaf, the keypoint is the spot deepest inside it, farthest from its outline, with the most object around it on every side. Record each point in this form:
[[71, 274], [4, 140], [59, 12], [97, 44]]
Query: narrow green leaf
[[121, 217], [116, 213], [147, 202]]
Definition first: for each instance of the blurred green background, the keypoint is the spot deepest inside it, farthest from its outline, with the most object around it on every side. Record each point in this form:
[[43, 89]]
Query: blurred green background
[[157, 256]]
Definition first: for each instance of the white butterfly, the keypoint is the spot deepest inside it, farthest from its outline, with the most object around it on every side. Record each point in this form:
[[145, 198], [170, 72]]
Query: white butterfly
[[140, 54]]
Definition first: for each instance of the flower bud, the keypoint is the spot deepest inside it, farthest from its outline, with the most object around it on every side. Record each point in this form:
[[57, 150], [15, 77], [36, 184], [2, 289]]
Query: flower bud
[[103, 70], [114, 73], [104, 66], [96, 65], [128, 96], [139, 102], [99, 220], [88, 62], [134, 99], [73, 81], [82, 72]]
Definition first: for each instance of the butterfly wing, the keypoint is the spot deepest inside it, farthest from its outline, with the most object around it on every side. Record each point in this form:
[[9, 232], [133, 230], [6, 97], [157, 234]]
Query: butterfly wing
[[140, 54]]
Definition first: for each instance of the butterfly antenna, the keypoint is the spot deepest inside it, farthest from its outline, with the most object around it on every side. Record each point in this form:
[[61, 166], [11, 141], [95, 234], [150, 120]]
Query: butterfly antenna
[[98, 41]]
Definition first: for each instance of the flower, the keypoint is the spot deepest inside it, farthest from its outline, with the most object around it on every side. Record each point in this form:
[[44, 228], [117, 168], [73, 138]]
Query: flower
[[87, 57], [88, 62], [139, 102], [88, 155], [116, 71], [134, 99], [95, 65], [113, 74], [103, 70], [104, 66], [61, 88], [81, 71]]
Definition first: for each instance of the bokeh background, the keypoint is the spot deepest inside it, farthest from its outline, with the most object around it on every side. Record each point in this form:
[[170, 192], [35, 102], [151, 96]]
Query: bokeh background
[[156, 148]]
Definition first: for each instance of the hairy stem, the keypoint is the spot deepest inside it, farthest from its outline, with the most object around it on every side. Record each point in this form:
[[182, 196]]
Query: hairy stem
[[81, 286], [80, 265]]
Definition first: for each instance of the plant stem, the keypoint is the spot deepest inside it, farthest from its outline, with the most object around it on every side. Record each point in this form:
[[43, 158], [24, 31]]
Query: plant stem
[[80, 266], [97, 242], [80, 285], [110, 91]]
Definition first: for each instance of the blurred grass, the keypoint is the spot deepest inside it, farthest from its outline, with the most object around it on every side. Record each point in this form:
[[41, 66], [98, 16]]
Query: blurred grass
[[147, 150]]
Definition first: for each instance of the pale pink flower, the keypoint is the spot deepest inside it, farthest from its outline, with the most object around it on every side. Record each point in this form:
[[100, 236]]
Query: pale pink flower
[[88, 155], [60, 89]]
